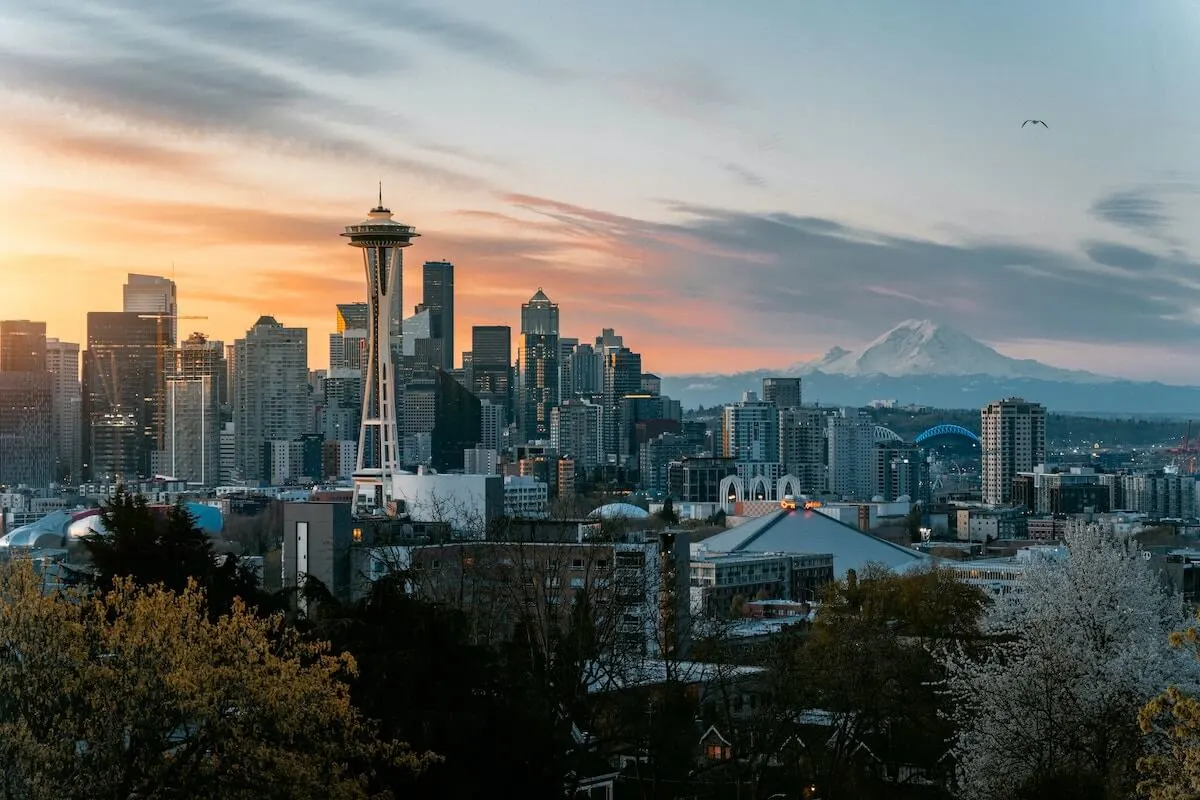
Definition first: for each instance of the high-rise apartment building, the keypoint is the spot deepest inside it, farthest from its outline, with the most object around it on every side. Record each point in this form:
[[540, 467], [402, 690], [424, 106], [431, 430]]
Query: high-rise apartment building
[[271, 395], [22, 346], [575, 428], [196, 388], [538, 366], [1013, 440], [851, 455], [66, 399], [437, 296], [802, 445], [750, 431], [493, 421], [491, 365], [121, 392], [781, 392], [193, 430], [152, 294]]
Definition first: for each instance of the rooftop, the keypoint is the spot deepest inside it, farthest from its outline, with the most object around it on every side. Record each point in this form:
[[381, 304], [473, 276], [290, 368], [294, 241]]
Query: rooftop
[[799, 531]]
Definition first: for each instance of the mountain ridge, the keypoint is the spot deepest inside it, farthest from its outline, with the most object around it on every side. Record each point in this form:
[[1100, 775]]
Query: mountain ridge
[[922, 363]]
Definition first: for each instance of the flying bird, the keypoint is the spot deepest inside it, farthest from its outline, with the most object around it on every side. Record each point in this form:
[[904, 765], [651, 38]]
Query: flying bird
[[1035, 122]]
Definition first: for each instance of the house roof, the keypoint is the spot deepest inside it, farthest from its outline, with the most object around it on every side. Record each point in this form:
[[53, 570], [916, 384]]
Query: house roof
[[801, 531]]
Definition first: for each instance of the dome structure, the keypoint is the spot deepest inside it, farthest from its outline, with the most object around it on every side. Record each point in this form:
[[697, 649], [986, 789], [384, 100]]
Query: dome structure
[[46, 532], [618, 511], [208, 519]]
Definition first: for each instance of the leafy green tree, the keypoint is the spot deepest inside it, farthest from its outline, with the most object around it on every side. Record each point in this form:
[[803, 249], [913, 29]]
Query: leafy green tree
[[667, 513], [140, 693]]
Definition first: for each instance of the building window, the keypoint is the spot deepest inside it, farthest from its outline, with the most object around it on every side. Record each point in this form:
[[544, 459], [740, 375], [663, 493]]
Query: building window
[[716, 752], [357, 533]]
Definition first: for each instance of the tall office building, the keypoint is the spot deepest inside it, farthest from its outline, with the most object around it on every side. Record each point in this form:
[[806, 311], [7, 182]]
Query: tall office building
[[781, 392], [382, 241], [1013, 440], [271, 394], [622, 377], [27, 454], [66, 400], [22, 346], [587, 372], [437, 296], [538, 366], [121, 392], [566, 364], [491, 365], [152, 294]]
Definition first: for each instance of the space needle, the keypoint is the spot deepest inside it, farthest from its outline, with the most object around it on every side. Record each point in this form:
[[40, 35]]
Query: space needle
[[382, 240]]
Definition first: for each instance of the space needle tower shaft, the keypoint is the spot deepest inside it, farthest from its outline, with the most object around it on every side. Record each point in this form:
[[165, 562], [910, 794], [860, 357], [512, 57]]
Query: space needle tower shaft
[[382, 241]]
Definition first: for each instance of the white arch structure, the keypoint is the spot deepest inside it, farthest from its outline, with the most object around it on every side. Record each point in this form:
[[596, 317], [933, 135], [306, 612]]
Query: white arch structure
[[733, 489]]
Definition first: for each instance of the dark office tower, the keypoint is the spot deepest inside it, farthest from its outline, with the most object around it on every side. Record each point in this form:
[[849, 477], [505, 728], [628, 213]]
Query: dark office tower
[[622, 377], [457, 423], [538, 366], [437, 295], [120, 387], [22, 346], [781, 392], [491, 365]]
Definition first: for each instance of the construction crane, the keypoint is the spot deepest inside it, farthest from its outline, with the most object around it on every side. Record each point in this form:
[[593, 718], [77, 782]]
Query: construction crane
[[160, 374], [1187, 451]]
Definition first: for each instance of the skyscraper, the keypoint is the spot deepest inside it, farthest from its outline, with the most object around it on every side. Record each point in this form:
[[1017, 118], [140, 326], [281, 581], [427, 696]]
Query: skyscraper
[[152, 294], [382, 241], [271, 398], [22, 346], [538, 365], [196, 387], [120, 394], [622, 376], [66, 401], [1013, 440], [750, 431], [491, 365], [437, 295], [26, 445]]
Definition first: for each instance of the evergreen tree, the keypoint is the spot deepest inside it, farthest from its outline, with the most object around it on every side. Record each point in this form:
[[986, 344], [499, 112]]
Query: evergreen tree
[[166, 550]]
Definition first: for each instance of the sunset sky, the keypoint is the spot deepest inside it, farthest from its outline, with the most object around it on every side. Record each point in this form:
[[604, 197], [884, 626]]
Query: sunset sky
[[729, 185]]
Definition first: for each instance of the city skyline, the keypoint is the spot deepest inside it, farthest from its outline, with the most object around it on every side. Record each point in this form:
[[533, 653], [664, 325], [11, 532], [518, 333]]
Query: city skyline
[[827, 173]]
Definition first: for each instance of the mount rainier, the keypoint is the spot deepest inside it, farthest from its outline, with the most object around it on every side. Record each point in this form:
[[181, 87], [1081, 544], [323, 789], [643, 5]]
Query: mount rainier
[[924, 363]]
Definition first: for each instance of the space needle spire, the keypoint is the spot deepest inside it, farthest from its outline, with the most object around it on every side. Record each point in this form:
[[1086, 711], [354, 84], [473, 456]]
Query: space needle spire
[[382, 241]]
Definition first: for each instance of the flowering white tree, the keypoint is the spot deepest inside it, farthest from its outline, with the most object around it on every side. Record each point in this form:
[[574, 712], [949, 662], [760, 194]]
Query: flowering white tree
[[1051, 699]]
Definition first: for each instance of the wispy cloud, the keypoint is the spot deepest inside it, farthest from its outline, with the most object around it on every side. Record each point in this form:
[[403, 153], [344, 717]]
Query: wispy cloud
[[744, 175], [1139, 210], [461, 35]]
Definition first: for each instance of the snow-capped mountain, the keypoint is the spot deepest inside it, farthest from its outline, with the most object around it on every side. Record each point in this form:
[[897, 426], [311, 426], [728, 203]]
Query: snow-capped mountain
[[920, 347]]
